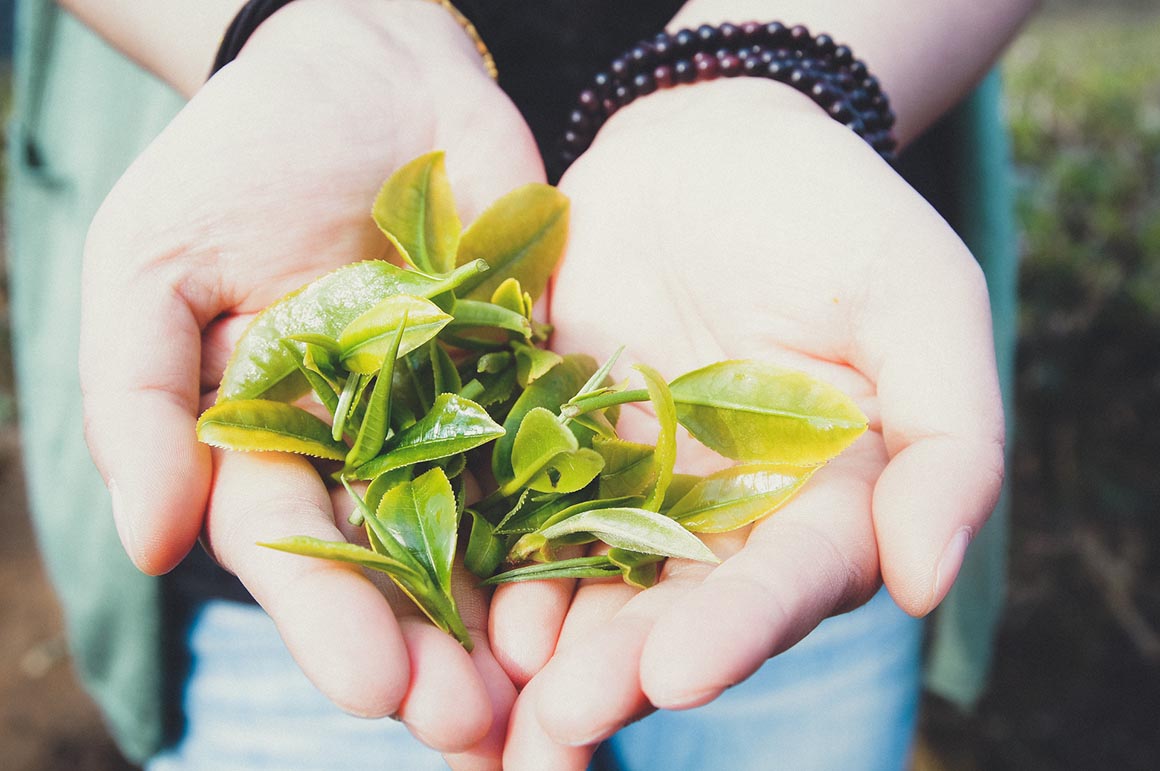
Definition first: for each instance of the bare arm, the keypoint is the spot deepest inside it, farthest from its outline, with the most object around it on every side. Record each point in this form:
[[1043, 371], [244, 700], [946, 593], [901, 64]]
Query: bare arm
[[927, 55], [174, 39]]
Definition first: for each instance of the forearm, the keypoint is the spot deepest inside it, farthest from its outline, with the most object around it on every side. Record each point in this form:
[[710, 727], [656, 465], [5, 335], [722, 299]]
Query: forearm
[[927, 55], [175, 39]]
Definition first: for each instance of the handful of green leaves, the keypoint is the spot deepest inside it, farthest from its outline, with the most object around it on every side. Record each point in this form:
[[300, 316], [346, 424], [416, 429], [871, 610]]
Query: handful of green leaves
[[437, 369]]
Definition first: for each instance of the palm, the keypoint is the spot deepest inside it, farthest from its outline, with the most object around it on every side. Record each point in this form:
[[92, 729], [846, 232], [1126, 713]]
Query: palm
[[818, 257], [262, 183]]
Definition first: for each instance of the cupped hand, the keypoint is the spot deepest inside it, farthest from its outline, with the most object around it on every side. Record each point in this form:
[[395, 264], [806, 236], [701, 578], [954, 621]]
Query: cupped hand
[[262, 183], [736, 220]]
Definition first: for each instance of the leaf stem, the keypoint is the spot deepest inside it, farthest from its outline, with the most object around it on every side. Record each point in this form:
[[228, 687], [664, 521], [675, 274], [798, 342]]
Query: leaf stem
[[603, 401]]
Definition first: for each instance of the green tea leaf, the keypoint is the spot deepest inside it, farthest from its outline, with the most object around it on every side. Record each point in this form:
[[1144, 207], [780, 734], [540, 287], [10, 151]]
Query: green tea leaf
[[678, 489], [737, 496], [550, 391], [324, 342], [485, 550], [373, 431], [580, 567], [453, 425], [547, 457], [510, 295], [491, 363], [257, 424], [476, 315], [367, 339], [629, 468], [639, 570], [521, 236], [345, 402], [416, 210], [384, 482], [445, 375], [596, 382], [322, 388], [665, 454], [755, 411], [261, 367], [636, 530], [532, 363], [422, 517], [341, 551]]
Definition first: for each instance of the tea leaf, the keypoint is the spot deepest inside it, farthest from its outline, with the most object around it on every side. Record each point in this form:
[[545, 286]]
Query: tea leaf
[[321, 387], [473, 314], [485, 550], [628, 467], [366, 340], [345, 401], [580, 567], [444, 374], [453, 425], [521, 236], [257, 424], [550, 391], [639, 570], [532, 363], [737, 496], [416, 210], [384, 482], [341, 551], [262, 368], [509, 295], [373, 431], [491, 363], [755, 411], [421, 516], [665, 454], [546, 457], [636, 530]]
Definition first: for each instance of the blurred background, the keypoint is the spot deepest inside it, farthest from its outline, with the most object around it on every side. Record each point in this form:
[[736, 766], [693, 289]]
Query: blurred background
[[1076, 682]]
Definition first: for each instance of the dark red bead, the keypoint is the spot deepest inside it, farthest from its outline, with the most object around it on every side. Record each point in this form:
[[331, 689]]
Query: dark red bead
[[684, 71], [707, 37], [841, 112], [685, 42], [579, 120], [641, 57], [707, 67], [619, 67], [776, 33], [729, 65], [575, 140], [751, 32], [663, 75], [643, 83], [610, 105], [623, 95], [589, 101], [602, 83]]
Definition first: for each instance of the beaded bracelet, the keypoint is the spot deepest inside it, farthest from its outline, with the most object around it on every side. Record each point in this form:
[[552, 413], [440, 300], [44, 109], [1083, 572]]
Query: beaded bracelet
[[816, 66], [254, 12]]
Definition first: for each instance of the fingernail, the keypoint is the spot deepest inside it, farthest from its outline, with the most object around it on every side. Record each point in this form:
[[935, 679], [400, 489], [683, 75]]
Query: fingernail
[[949, 565], [121, 519]]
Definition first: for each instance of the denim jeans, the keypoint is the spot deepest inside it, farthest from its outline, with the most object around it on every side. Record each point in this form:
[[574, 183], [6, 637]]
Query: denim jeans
[[844, 698]]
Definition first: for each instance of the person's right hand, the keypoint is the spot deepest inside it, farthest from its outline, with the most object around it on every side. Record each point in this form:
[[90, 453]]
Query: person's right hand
[[262, 183]]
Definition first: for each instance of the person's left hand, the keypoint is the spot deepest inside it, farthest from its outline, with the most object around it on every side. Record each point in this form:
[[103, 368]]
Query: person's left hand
[[736, 220]]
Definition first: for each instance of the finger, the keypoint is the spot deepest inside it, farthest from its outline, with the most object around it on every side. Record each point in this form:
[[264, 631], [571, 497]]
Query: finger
[[447, 707], [487, 753], [139, 359], [926, 334], [526, 619], [528, 748], [591, 687], [337, 625], [805, 562], [217, 346]]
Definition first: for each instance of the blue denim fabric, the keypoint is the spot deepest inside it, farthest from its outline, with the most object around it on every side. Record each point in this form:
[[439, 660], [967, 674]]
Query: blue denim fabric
[[843, 698]]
